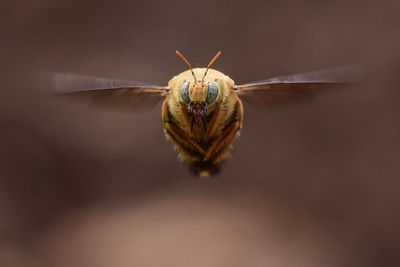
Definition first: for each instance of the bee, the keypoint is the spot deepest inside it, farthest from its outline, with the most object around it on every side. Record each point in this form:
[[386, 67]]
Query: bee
[[202, 109]]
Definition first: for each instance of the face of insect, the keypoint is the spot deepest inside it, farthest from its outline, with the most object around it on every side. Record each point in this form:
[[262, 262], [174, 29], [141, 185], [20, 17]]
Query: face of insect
[[199, 98]]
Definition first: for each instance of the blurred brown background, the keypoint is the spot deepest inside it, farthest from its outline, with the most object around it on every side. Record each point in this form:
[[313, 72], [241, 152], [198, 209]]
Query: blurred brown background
[[309, 185]]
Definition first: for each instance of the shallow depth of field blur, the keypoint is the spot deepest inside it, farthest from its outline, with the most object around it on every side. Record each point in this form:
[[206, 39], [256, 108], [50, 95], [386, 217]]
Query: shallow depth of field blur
[[315, 184]]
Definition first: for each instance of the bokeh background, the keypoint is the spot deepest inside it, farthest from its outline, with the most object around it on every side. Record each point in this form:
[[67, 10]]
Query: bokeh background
[[314, 184]]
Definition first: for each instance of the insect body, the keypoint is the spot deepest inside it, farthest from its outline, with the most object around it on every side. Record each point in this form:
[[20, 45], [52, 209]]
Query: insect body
[[202, 117], [202, 112], [204, 122]]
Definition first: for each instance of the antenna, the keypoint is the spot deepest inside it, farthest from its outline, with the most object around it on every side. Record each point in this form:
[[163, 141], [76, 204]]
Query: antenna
[[209, 65], [187, 63]]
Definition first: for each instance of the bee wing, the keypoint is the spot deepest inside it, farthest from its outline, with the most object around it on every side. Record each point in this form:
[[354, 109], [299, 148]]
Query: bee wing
[[288, 89], [120, 94]]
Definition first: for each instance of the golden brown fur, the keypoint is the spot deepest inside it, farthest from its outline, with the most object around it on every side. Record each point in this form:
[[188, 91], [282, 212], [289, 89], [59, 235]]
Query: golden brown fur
[[203, 149]]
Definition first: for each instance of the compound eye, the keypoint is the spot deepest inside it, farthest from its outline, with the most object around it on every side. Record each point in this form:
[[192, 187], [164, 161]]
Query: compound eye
[[212, 92], [185, 92]]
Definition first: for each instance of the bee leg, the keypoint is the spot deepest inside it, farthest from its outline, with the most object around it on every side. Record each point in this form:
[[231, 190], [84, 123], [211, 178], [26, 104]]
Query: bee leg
[[213, 125], [181, 138], [221, 145], [187, 146]]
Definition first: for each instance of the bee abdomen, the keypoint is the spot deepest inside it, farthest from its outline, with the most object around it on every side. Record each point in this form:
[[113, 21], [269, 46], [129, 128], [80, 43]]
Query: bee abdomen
[[204, 168]]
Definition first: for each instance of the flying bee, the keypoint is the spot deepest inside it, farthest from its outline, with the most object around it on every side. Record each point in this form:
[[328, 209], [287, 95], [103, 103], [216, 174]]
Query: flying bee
[[202, 111], [202, 116]]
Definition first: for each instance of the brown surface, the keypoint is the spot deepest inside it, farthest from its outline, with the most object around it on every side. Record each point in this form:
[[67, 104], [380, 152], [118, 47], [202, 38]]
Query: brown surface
[[309, 185]]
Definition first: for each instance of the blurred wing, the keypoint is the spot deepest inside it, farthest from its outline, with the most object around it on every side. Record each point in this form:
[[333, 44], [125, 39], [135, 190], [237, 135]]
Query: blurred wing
[[120, 94], [288, 89]]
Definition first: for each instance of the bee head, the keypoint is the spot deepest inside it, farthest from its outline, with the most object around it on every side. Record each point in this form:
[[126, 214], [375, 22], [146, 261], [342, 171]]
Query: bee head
[[197, 94]]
